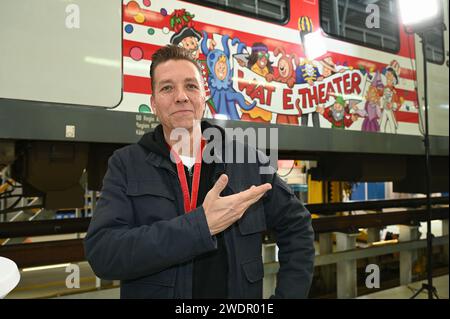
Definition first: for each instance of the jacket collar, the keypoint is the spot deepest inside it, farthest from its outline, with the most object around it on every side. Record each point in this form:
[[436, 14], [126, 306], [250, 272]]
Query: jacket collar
[[159, 154]]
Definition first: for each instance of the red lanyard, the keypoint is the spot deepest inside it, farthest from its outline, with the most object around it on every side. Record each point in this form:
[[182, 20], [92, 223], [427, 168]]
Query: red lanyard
[[190, 202]]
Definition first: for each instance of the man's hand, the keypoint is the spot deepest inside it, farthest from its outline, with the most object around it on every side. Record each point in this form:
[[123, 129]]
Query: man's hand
[[221, 212]]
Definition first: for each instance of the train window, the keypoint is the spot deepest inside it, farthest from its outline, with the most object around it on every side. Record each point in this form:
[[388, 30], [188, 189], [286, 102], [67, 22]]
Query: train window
[[435, 46], [270, 10], [371, 23]]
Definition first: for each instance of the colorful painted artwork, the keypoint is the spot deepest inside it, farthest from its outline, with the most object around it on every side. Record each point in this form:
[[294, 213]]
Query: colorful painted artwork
[[255, 77]]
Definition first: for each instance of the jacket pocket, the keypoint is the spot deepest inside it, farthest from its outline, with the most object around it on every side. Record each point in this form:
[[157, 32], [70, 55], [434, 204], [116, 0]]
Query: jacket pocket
[[254, 273], [253, 220], [148, 187], [152, 202], [253, 269]]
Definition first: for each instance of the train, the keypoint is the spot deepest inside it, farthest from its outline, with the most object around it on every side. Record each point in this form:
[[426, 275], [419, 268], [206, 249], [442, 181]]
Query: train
[[342, 81]]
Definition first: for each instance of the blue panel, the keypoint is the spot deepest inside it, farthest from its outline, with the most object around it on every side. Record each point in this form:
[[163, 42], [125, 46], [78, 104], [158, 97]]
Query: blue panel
[[358, 192], [376, 190]]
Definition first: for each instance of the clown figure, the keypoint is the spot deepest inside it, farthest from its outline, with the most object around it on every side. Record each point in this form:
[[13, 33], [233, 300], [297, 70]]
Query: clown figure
[[220, 79]]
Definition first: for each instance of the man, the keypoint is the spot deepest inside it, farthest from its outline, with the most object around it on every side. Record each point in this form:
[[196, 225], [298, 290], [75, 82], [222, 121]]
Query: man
[[150, 232]]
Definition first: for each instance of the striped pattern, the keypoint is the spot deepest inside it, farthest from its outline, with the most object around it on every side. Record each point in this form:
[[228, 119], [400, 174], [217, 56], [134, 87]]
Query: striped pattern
[[305, 25]]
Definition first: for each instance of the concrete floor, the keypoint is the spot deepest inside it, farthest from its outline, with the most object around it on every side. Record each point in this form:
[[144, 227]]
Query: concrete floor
[[51, 283], [403, 292], [407, 291]]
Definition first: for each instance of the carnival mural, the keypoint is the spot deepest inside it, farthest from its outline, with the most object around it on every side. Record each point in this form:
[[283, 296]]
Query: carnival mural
[[250, 82]]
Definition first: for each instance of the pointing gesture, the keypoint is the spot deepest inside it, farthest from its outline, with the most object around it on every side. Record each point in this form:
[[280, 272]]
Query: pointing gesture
[[221, 212]]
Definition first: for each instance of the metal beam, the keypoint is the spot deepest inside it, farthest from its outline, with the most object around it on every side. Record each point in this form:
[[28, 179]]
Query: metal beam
[[44, 227], [44, 253], [320, 225], [100, 126], [353, 222], [358, 253], [56, 252], [374, 205]]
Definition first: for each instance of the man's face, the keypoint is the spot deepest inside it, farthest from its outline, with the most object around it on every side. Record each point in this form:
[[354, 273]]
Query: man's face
[[178, 96], [191, 44]]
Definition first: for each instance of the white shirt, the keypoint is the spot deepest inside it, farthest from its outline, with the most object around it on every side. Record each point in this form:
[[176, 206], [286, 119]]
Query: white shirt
[[188, 161]]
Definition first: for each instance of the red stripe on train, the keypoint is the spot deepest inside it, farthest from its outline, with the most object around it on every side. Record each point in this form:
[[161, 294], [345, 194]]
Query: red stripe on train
[[136, 84], [147, 48], [407, 117]]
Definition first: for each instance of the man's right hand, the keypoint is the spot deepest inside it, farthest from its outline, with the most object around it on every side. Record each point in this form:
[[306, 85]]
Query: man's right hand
[[221, 212]]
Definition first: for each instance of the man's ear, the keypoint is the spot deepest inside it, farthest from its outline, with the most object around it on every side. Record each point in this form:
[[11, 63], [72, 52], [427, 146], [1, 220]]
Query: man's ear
[[152, 105]]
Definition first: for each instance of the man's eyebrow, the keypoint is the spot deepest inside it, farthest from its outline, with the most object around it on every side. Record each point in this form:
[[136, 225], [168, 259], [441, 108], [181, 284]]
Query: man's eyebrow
[[190, 80], [162, 82]]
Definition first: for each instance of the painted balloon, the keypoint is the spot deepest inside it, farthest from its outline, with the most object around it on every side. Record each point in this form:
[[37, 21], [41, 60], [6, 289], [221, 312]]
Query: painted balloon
[[136, 53], [133, 8], [129, 28], [144, 108], [139, 18]]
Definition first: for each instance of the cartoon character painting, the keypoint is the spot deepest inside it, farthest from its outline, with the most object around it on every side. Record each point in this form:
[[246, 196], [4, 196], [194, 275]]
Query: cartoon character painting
[[372, 108], [220, 78], [284, 73], [255, 84], [390, 99], [337, 114], [306, 71], [188, 38], [328, 68], [259, 60], [259, 63]]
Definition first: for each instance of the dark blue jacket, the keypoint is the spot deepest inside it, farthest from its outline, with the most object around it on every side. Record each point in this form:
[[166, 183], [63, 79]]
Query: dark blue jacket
[[140, 235]]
